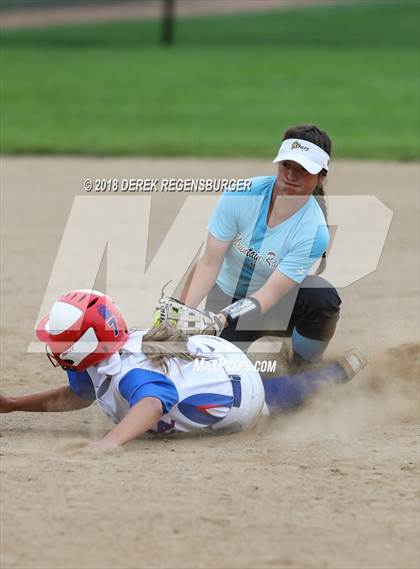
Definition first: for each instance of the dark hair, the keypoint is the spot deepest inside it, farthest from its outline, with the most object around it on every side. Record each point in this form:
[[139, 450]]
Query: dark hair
[[313, 134]]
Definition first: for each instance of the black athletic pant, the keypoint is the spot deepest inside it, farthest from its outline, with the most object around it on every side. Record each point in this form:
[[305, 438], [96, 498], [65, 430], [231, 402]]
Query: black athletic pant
[[313, 308]]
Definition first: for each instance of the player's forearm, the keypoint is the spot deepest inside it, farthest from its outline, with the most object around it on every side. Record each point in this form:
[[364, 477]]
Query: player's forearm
[[200, 284], [138, 420], [270, 293], [54, 400]]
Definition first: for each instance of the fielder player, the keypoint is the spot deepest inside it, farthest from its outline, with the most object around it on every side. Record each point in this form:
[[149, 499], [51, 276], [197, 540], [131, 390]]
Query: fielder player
[[261, 248], [151, 380]]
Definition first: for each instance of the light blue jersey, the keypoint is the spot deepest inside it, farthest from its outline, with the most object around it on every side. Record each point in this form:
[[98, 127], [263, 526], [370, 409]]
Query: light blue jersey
[[292, 247]]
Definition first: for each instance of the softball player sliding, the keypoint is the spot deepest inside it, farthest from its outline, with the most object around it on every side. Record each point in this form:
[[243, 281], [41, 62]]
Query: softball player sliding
[[157, 380]]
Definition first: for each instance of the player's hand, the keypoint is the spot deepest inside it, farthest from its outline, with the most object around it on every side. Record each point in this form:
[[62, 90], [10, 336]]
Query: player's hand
[[6, 404]]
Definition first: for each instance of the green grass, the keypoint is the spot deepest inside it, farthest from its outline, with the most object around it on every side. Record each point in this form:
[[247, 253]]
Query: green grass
[[228, 87]]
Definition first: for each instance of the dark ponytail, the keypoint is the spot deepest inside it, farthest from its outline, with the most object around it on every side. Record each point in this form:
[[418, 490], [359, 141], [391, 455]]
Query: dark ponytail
[[313, 134]]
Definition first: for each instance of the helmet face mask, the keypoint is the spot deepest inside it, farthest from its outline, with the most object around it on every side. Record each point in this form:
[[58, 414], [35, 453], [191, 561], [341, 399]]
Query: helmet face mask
[[84, 327], [53, 360]]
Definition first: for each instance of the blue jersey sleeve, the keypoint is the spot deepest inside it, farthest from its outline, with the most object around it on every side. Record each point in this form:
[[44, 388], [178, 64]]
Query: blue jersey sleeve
[[222, 224], [298, 262], [140, 383], [81, 384]]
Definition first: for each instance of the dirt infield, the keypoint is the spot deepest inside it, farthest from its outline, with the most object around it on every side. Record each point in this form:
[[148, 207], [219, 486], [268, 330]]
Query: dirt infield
[[334, 485]]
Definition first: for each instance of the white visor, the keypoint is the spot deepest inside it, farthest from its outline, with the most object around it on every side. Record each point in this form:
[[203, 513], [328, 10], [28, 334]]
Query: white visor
[[305, 153]]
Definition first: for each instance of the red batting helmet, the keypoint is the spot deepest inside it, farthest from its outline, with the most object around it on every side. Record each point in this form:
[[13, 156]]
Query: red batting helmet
[[83, 328]]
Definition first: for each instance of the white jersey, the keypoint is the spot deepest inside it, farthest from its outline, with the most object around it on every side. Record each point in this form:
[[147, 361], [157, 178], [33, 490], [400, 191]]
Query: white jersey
[[222, 390]]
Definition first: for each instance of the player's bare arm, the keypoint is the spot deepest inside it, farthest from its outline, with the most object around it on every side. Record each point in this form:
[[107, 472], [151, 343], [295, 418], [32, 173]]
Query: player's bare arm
[[277, 285], [138, 420], [205, 273], [194, 321], [53, 400], [261, 301]]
